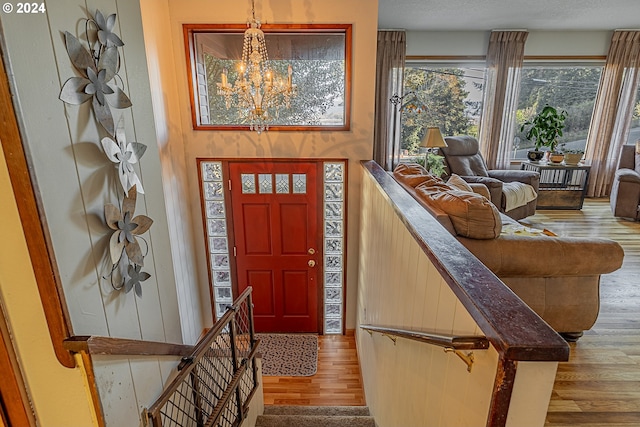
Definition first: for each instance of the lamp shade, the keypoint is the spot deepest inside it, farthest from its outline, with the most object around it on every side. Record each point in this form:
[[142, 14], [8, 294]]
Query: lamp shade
[[433, 138]]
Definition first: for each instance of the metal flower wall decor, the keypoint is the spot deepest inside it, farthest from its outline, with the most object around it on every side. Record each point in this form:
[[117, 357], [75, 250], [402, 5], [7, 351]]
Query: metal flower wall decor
[[98, 64], [124, 241], [98, 67], [125, 155]]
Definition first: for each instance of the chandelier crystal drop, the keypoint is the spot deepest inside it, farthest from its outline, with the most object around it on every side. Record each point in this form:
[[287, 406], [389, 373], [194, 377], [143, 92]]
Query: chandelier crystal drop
[[257, 91]]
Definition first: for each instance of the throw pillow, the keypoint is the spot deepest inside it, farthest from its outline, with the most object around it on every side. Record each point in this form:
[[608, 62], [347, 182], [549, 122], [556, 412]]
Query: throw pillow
[[410, 169], [412, 174], [458, 183], [471, 214]]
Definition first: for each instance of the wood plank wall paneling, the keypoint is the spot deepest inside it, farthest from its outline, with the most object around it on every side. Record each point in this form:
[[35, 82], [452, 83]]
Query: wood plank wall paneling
[[407, 383], [76, 180], [600, 384], [389, 279]]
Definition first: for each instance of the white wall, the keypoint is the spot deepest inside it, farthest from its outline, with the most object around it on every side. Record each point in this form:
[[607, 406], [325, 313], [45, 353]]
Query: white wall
[[474, 43], [354, 145], [193, 299], [447, 43], [54, 391]]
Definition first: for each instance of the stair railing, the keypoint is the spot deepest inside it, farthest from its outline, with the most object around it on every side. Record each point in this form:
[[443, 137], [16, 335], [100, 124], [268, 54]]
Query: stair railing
[[450, 343], [216, 382]]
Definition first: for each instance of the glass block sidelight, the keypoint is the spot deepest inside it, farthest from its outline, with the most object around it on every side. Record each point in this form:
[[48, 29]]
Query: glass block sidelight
[[334, 230], [213, 188], [215, 209]]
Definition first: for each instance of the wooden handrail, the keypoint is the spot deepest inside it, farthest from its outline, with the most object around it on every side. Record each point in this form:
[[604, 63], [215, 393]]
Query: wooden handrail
[[32, 218], [120, 346], [475, 342], [516, 332]]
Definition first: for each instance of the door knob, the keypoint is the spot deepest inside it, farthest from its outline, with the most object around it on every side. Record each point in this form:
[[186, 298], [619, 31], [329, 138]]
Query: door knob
[[311, 263], [311, 251]]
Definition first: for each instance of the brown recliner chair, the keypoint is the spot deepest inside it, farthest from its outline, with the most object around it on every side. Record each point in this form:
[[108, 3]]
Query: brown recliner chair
[[462, 157], [625, 193]]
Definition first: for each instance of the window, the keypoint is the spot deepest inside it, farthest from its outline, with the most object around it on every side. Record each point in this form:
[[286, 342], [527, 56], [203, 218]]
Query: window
[[634, 132], [446, 95], [566, 86], [320, 57]]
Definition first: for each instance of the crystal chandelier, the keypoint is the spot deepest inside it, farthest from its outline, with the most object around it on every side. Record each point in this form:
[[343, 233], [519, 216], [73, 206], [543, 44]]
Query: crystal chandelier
[[256, 89]]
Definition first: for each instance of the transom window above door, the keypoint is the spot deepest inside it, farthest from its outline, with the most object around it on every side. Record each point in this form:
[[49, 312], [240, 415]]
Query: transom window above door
[[316, 56]]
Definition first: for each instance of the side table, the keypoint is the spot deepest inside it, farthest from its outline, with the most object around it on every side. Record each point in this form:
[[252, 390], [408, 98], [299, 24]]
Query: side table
[[561, 186]]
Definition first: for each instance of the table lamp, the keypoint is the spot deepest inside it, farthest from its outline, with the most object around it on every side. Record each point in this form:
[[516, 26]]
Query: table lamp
[[432, 140]]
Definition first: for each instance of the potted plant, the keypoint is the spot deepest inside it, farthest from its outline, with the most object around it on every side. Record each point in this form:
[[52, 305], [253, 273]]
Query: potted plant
[[432, 162], [544, 130], [572, 157], [435, 164]]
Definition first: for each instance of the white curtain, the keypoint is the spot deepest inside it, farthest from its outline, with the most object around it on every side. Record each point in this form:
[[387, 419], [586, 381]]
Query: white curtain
[[613, 109], [391, 54], [502, 88]]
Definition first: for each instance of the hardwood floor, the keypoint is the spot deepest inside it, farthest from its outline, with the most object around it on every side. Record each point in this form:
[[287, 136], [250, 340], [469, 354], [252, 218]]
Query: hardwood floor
[[337, 381], [600, 384]]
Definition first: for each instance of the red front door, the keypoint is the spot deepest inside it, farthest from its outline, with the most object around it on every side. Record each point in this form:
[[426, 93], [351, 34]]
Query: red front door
[[275, 226]]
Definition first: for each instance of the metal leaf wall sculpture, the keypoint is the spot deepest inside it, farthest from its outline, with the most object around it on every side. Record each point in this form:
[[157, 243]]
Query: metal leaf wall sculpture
[[98, 64], [98, 69]]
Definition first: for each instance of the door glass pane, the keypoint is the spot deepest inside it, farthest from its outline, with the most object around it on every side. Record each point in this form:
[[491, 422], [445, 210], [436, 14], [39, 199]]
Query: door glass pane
[[282, 183], [248, 183], [299, 183], [266, 184]]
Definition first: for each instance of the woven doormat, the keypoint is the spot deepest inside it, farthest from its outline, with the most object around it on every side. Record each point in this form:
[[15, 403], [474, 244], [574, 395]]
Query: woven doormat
[[288, 355]]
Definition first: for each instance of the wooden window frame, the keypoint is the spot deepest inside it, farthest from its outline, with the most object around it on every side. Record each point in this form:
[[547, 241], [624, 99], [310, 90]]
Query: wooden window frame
[[190, 29]]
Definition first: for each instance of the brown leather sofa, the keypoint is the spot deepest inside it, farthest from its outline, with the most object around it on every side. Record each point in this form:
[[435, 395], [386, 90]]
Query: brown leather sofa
[[557, 277]]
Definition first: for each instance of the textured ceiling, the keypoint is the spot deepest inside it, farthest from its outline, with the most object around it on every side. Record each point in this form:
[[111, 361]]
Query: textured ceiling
[[456, 15]]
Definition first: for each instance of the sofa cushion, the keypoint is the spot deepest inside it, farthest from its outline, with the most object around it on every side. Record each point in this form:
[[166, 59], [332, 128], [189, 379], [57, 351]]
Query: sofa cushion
[[458, 183], [472, 215], [412, 174]]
